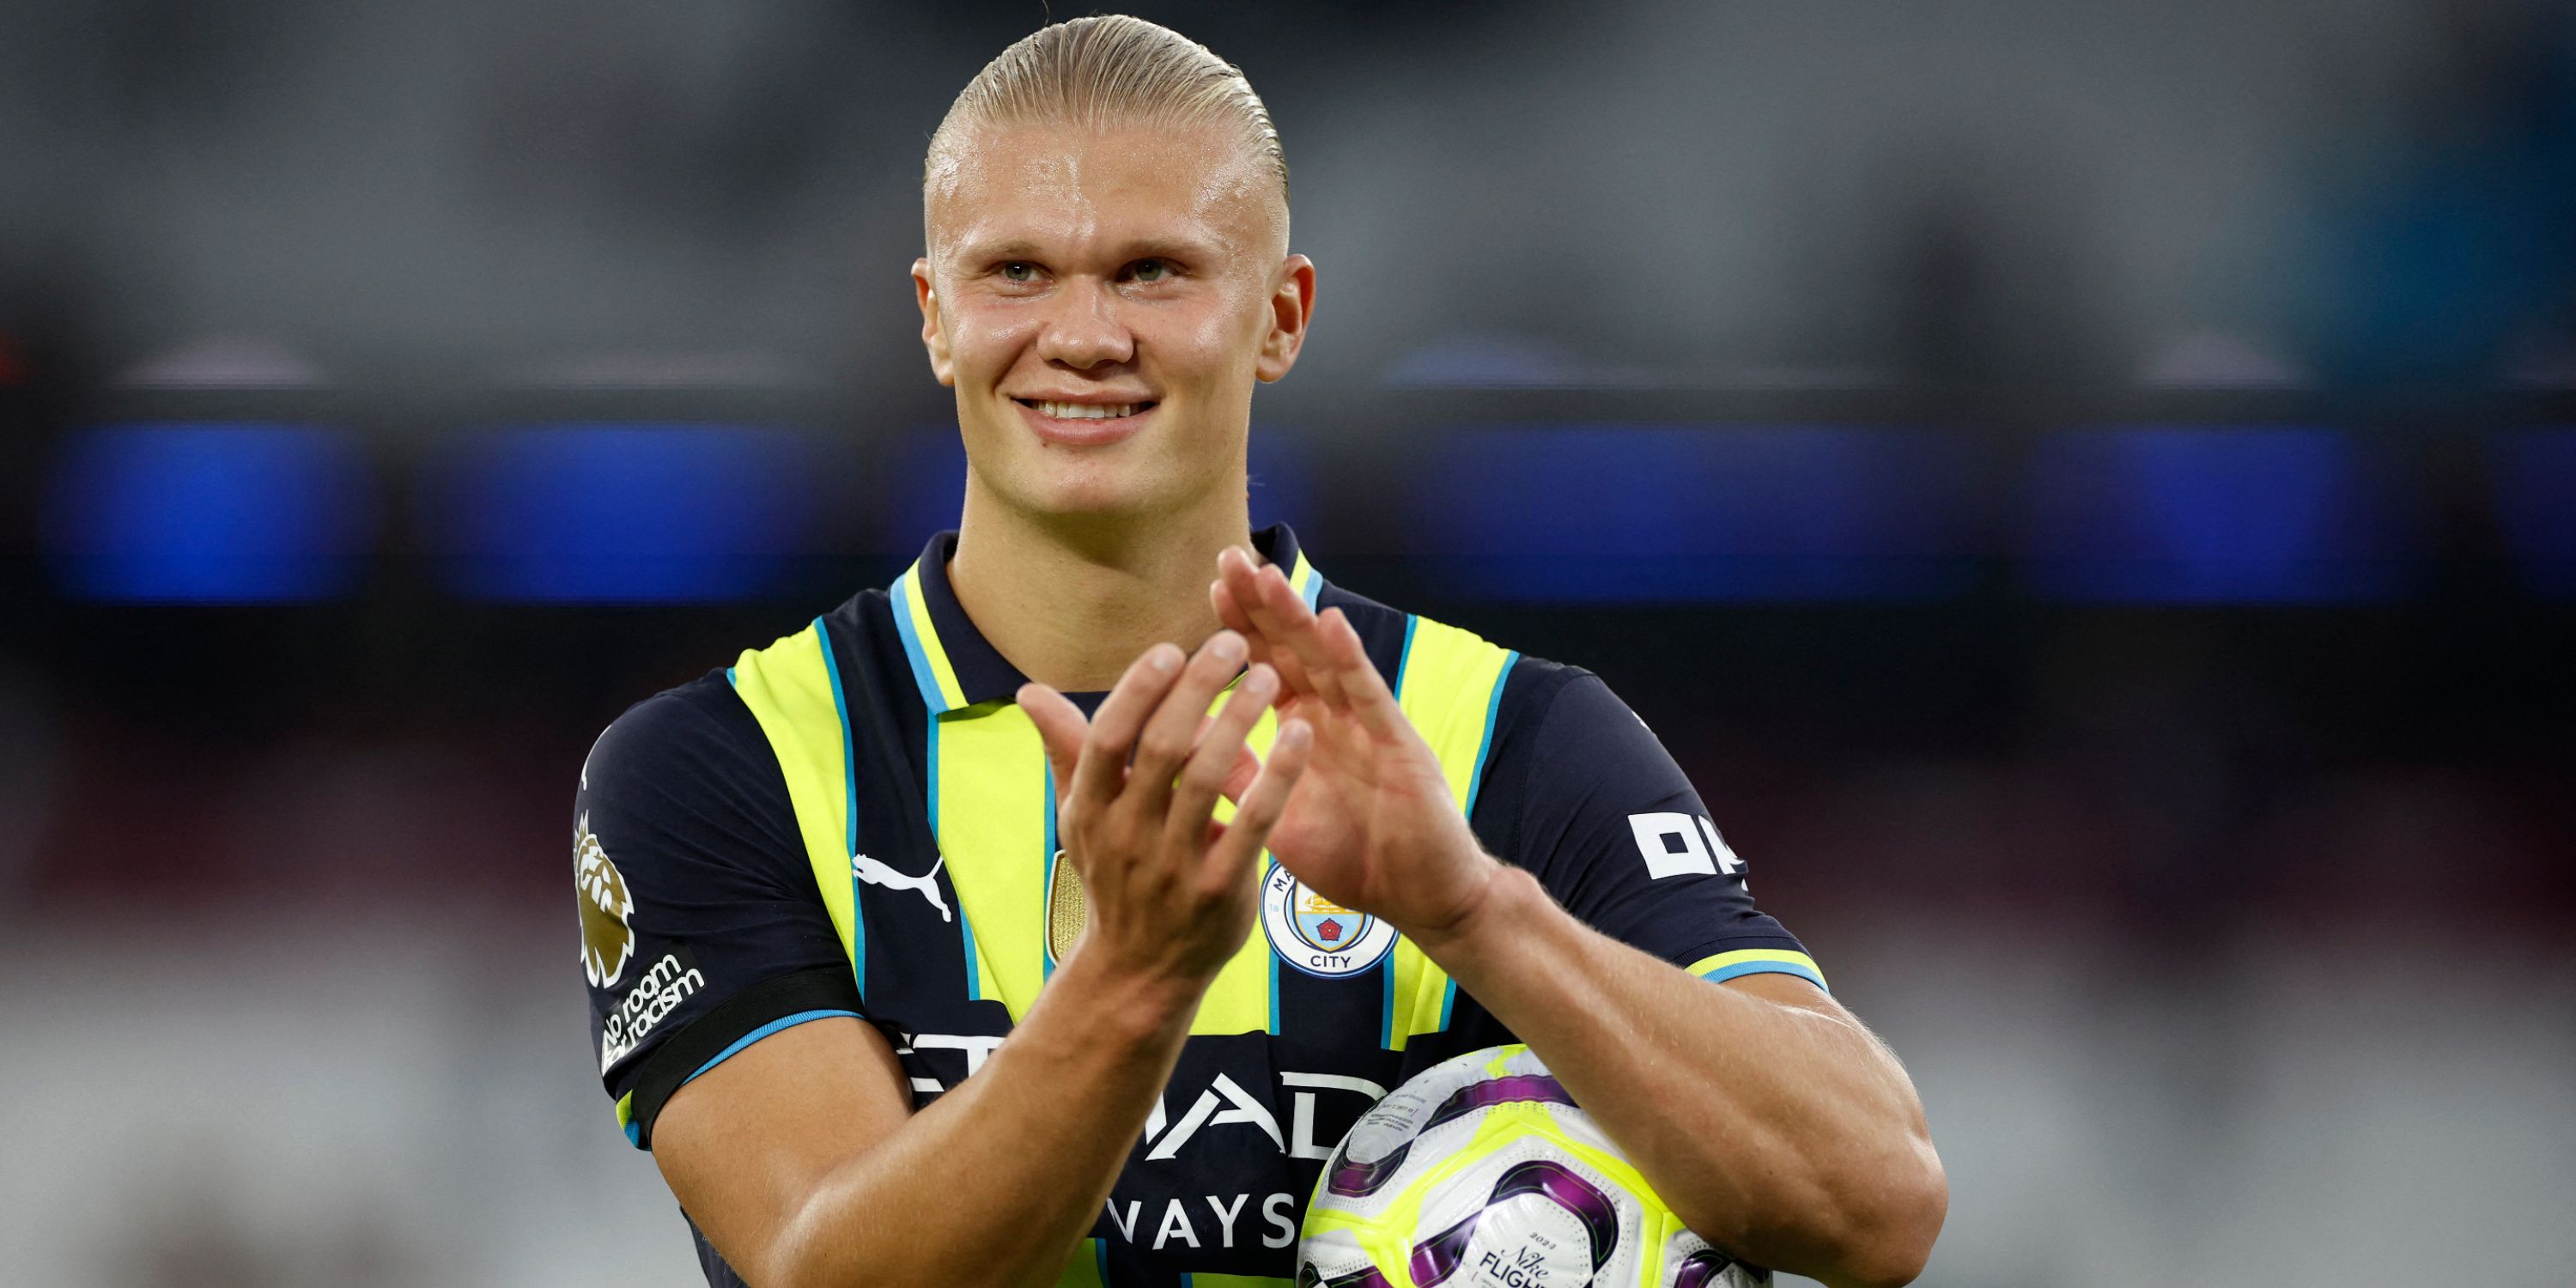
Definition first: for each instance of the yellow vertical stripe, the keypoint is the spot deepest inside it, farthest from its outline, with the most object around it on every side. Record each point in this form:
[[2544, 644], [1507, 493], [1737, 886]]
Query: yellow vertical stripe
[[1449, 677], [1409, 1012], [992, 834], [1451, 682], [992, 829], [1238, 1000], [1082, 1269], [788, 687]]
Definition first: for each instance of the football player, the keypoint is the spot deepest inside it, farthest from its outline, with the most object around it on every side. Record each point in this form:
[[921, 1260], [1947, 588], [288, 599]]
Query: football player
[[1046, 915]]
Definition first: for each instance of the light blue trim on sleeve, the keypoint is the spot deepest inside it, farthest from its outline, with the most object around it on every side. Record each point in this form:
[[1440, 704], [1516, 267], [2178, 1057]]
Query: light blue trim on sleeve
[[776, 1025], [1724, 973]]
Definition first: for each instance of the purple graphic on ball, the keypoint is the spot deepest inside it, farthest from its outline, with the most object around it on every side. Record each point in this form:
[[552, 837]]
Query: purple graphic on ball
[[1701, 1269], [1437, 1258], [1366, 1277], [1518, 1088], [1357, 1180]]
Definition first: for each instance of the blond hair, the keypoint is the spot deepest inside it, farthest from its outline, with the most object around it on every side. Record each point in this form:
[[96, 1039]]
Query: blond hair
[[1103, 71]]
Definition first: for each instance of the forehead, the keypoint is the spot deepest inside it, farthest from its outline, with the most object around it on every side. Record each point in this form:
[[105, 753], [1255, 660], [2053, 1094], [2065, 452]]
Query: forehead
[[1077, 188]]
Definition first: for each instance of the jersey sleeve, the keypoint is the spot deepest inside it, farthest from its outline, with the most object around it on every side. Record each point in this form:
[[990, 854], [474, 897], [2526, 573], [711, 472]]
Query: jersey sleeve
[[701, 929], [1614, 830]]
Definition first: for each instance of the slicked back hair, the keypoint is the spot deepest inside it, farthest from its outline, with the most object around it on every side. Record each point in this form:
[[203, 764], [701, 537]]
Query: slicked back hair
[[1102, 72]]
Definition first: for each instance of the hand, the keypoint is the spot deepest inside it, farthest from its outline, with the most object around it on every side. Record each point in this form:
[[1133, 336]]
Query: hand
[[1371, 824], [1171, 892]]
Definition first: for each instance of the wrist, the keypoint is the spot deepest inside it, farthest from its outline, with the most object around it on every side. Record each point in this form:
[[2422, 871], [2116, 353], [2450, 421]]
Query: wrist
[[1499, 902], [1127, 1005]]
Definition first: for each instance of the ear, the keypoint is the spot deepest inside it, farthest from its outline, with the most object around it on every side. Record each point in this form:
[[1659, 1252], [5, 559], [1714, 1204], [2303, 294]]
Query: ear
[[934, 336], [1292, 305]]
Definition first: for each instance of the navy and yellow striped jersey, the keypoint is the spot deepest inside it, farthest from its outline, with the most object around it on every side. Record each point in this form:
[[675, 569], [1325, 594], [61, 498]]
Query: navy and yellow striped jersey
[[859, 821]]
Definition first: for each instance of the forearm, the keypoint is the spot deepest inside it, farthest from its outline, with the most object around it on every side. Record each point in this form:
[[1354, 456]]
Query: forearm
[[994, 1182], [1786, 1134]]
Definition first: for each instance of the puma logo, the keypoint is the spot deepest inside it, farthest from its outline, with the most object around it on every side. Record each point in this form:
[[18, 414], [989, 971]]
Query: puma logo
[[875, 872]]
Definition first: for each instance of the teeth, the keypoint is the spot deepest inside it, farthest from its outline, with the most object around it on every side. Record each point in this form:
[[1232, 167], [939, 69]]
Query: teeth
[[1086, 411]]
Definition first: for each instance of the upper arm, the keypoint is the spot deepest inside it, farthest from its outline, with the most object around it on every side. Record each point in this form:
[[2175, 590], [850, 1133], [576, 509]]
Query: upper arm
[[724, 1009], [746, 1144], [1601, 814], [702, 929]]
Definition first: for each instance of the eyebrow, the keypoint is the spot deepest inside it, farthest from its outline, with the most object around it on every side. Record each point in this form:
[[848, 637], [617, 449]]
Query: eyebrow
[[1184, 248], [1180, 248], [987, 251]]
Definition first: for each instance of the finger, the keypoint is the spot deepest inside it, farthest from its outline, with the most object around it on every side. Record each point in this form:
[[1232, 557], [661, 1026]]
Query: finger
[[1284, 622], [1208, 722], [1232, 615], [1102, 772], [1370, 699], [1238, 779], [1292, 675], [1061, 727], [1246, 836], [1173, 726], [1227, 610], [1194, 796]]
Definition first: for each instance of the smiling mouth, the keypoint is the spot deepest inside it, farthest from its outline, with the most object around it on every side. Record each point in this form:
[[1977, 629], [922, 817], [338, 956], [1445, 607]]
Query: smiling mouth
[[1084, 411]]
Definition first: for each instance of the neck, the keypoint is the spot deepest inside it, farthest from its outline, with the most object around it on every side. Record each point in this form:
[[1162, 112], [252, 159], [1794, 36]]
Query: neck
[[1072, 601]]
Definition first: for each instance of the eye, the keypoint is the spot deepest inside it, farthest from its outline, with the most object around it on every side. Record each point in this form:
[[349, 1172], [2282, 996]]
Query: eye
[[1149, 270], [1019, 270]]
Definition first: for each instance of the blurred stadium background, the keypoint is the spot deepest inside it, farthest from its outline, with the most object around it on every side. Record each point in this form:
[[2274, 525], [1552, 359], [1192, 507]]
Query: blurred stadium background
[[2088, 490]]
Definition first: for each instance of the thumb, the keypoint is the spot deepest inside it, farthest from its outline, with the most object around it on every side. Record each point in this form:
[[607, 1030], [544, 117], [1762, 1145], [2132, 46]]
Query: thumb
[[1061, 726]]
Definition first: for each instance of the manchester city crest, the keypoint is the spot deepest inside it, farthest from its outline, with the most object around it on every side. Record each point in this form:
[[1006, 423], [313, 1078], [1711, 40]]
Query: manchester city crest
[[1315, 934]]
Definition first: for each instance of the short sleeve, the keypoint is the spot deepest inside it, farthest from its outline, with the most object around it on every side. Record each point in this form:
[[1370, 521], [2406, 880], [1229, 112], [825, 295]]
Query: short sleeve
[[1613, 828], [701, 929]]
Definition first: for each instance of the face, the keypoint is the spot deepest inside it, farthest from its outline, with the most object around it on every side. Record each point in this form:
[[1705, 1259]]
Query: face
[[1102, 302]]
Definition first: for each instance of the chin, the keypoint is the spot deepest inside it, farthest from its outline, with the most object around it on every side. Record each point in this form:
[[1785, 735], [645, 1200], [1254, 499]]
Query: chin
[[1087, 494]]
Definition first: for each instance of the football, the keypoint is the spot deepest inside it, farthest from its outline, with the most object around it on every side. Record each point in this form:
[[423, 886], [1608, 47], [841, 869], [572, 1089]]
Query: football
[[1481, 1171]]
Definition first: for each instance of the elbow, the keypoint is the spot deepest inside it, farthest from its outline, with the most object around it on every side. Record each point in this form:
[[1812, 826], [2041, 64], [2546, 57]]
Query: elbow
[[788, 1262], [1886, 1237], [1868, 1227], [804, 1254], [813, 1253]]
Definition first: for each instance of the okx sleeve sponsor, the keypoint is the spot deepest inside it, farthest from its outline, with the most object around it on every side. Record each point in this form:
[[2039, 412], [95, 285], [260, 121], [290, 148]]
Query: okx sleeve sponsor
[[1583, 794]]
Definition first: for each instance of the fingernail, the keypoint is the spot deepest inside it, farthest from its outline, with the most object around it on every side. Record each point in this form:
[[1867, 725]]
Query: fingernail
[[1229, 647], [1164, 658]]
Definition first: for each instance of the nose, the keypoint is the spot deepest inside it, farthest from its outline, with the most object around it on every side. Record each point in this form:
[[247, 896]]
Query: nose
[[1083, 329]]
